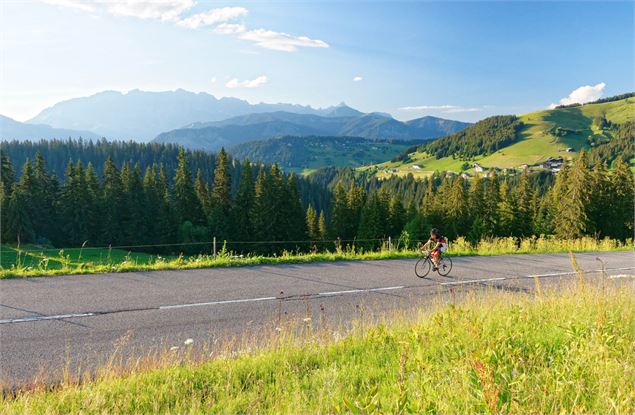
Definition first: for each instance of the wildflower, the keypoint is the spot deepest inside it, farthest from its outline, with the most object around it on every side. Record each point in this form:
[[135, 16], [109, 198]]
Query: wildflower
[[307, 319], [278, 329], [188, 342], [174, 348]]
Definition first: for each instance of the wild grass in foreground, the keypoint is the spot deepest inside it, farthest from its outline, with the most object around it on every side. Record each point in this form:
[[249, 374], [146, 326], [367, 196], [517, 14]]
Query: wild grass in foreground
[[569, 351], [31, 262]]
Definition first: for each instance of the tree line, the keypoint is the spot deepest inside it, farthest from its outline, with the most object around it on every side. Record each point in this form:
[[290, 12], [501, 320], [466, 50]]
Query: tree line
[[246, 204]]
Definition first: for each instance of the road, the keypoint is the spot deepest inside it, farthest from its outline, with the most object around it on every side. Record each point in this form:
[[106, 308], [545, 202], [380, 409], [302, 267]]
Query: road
[[74, 321]]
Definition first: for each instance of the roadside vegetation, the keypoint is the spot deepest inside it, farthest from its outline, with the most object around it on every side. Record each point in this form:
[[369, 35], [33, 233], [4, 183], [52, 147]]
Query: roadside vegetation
[[564, 351], [31, 261]]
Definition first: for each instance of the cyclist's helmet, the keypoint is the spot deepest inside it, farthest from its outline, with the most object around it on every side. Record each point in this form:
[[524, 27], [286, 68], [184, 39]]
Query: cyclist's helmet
[[435, 231]]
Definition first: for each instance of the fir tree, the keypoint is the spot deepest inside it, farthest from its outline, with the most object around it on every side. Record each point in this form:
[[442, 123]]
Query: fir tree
[[572, 210]]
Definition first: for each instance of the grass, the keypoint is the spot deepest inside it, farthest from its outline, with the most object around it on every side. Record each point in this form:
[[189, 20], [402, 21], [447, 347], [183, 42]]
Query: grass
[[536, 144], [565, 351], [31, 262]]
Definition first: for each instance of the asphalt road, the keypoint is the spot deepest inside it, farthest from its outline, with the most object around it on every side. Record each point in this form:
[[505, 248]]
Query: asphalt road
[[47, 324]]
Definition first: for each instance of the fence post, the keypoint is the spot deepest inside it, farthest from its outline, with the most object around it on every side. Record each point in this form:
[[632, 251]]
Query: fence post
[[214, 248], [390, 243]]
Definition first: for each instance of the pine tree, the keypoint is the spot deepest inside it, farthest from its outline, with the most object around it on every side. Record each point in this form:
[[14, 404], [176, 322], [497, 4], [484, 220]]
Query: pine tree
[[243, 229], [261, 211], [477, 204], [44, 221], [507, 212], [202, 192], [322, 228], [340, 215], [220, 219], [622, 206], [94, 205], [312, 223], [457, 209], [371, 225], [112, 200], [490, 209], [524, 200], [19, 223], [187, 207], [397, 217], [294, 222], [572, 210]]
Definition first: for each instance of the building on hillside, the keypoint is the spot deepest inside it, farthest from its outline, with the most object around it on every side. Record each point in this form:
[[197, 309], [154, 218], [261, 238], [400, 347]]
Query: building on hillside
[[450, 173], [415, 167], [524, 166], [553, 163], [569, 150], [466, 175], [478, 168]]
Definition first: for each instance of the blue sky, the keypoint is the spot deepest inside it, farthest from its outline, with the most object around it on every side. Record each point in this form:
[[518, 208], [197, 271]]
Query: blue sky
[[458, 60]]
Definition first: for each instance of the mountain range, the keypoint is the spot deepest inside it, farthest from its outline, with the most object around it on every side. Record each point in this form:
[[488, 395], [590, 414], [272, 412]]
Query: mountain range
[[142, 115], [251, 127], [11, 129]]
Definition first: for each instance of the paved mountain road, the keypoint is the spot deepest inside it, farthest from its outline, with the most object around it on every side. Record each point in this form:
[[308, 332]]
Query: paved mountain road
[[52, 322]]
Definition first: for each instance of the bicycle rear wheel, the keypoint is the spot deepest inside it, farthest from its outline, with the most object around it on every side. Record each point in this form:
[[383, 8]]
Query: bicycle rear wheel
[[445, 266], [422, 267]]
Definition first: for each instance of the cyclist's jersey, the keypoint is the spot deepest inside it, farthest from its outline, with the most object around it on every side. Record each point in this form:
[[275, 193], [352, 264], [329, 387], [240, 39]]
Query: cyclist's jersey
[[443, 241]]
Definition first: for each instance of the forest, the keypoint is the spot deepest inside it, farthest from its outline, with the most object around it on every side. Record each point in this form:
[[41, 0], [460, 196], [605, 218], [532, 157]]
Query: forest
[[258, 208]]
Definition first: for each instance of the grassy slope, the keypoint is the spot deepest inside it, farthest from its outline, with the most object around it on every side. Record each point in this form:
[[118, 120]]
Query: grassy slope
[[536, 144], [569, 351]]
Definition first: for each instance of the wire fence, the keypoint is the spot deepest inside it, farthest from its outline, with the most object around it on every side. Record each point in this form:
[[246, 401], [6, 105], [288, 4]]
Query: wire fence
[[213, 244]]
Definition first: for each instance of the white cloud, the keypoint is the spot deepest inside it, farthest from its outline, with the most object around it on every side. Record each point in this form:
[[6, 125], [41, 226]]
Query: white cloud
[[254, 83], [221, 18], [213, 16], [164, 10], [446, 108], [357, 79], [583, 94], [213, 80], [269, 39], [72, 4]]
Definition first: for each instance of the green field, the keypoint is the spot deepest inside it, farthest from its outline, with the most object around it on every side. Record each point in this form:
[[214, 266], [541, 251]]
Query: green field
[[31, 257], [31, 261], [537, 143], [564, 351]]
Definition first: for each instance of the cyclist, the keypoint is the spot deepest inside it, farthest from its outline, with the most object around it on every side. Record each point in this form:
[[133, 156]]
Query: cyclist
[[440, 245]]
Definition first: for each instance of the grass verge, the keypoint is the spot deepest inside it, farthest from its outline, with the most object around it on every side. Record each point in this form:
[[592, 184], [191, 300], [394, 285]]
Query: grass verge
[[565, 351], [31, 262]]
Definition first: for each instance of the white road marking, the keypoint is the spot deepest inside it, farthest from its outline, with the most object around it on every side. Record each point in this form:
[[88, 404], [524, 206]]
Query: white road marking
[[244, 300], [362, 290], [472, 281], [323, 294], [555, 274], [615, 277], [38, 318]]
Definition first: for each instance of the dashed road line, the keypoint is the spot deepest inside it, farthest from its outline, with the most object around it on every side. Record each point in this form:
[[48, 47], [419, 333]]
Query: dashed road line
[[322, 294]]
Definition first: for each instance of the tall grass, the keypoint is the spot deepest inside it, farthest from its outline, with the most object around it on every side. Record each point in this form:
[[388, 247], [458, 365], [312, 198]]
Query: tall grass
[[566, 351], [33, 262]]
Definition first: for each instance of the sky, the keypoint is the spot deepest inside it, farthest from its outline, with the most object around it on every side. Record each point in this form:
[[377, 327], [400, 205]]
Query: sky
[[457, 60]]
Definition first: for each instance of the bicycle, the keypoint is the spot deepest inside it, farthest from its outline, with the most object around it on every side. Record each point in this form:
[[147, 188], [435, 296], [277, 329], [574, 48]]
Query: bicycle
[[424, 264]]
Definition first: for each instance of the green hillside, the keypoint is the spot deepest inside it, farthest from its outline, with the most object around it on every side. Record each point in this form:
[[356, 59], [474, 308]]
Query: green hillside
[[541, 135], [304, 154]]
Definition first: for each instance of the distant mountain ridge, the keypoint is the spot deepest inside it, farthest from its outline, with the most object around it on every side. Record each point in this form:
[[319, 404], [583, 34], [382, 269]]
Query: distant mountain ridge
[[253, 127], [11, 129], [141, 115]]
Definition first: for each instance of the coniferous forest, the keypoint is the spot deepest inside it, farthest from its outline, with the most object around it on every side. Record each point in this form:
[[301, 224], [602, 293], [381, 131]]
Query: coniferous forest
[[160, 198]]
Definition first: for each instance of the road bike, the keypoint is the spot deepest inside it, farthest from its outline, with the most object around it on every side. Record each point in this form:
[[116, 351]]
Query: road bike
[[424, 265]]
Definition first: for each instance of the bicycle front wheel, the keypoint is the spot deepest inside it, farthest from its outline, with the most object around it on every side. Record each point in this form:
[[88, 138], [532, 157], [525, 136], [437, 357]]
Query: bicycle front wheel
[[422, 267], [445, 266]]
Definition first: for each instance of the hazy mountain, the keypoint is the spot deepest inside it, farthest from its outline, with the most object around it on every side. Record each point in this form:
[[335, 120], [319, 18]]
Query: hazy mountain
[[375, 126], [11, 129], [141, 115], [438, 125]]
